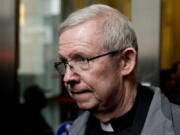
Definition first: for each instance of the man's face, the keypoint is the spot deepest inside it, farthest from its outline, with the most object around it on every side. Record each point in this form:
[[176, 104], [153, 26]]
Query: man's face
[[99, 86]]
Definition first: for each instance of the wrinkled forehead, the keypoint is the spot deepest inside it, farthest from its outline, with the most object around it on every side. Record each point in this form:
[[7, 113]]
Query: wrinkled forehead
[[84, 40], [84, 35], [88, 31]]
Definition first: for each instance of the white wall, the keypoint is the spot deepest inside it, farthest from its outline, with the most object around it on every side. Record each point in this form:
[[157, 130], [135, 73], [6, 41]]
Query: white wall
[[146, 21]]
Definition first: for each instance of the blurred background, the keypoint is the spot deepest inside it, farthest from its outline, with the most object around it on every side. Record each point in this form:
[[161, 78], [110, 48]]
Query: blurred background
[[33, 97]]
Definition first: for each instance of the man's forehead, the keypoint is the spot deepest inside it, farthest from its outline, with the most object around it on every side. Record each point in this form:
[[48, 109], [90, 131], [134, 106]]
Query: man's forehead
[[70, 48], [85, 32], [82, 39]]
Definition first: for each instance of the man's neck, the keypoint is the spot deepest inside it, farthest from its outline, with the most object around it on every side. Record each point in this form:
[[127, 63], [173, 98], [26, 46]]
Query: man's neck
[[130, 91]]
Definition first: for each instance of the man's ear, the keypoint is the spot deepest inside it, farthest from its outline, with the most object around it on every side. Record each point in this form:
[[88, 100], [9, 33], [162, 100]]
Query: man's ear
[[128, 61]]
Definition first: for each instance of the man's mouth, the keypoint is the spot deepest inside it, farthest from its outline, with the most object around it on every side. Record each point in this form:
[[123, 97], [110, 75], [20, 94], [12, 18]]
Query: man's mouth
[[80, 91]]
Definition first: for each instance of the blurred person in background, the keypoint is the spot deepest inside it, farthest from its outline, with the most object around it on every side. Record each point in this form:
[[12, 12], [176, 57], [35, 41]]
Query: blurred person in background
[[170, 83], [32, 122]]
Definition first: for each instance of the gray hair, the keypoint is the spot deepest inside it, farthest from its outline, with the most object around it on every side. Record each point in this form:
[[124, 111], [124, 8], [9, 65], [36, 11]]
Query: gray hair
[[117, 31]]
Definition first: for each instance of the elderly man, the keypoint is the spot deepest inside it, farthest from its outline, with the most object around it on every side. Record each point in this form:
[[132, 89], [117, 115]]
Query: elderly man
[[98, 57]]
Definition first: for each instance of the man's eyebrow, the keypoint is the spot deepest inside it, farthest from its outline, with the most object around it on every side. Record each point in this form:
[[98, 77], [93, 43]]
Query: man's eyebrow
[[73, 55], [78, 54]]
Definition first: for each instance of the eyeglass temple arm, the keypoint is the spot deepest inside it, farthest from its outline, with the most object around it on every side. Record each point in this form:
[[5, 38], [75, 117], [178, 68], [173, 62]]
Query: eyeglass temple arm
[[104, 54]]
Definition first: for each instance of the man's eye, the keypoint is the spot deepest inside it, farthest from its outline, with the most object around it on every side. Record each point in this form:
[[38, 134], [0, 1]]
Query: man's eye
[[80, 59], [83, 59]]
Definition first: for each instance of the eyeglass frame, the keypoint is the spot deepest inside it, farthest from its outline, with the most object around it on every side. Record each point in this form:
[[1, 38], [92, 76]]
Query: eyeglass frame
[[56, 64]]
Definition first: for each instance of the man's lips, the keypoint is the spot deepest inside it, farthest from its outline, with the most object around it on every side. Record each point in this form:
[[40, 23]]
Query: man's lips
[[79, 91]]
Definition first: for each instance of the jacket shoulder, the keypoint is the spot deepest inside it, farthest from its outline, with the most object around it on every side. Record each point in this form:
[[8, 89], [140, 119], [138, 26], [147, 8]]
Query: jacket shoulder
[[176, 117], [79, 125]]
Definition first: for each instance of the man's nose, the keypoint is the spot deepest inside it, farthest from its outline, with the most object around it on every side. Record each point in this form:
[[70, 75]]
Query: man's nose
[[71, 77]]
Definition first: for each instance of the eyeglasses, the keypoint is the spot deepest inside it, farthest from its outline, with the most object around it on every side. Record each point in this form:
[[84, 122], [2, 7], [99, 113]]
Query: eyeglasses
[[79, 63]]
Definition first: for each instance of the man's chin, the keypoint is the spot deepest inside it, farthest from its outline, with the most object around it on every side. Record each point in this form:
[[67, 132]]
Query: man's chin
[[83, 106], [86, 106]]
